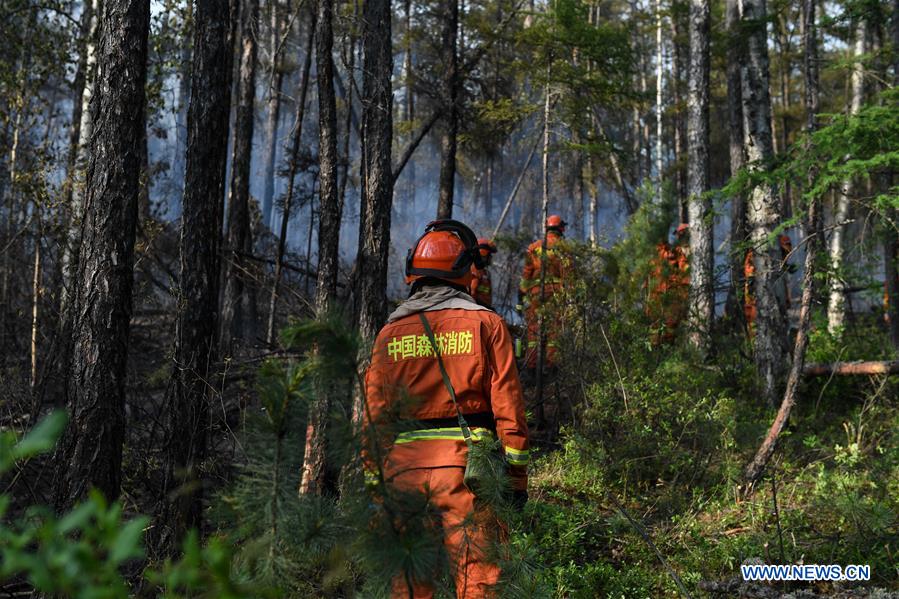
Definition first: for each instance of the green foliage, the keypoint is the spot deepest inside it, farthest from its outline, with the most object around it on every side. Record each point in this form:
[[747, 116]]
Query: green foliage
[[88, 552]]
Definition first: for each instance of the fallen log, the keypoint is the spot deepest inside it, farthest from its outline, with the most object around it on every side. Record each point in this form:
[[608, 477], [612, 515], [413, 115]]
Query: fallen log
[[852, 368]]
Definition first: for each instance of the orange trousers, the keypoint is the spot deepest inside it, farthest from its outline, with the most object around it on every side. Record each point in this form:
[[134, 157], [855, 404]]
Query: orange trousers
[[469, 533]]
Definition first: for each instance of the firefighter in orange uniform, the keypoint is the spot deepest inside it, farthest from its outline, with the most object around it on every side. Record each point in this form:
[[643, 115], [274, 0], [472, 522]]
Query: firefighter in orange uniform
[[531, 294], [669, 287], [476, 350], [750, 311], [481, 285]]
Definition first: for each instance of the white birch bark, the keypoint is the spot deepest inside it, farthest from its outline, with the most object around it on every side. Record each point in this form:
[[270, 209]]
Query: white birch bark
[[836, 300]]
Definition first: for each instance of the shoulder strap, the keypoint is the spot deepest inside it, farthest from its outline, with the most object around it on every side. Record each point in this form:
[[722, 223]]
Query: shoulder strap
[[466, 431]]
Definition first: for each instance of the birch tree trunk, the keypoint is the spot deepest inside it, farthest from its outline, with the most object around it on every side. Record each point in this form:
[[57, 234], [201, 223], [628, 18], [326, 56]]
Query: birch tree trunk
[[236, 313], [756, 468], [76, 190], [659, 105], [450, 93], [736, 53], [836, 300], [201, 224], [763, 210], [90, 452], [702, 259], [328, 238]]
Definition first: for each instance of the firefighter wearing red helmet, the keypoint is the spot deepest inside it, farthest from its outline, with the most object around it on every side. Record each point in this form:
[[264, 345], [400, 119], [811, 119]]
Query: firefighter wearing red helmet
[[443, 372], [481, 284], [542, 278]]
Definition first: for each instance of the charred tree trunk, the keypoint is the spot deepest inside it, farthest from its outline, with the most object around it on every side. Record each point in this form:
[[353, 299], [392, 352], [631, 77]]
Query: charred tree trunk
[[763, 211], [702, 258], [293, 154], [377, 192], [90, 453], [736, 53], [201, 225], [236, 312], [681, 141], [328, 238], [450, 92]]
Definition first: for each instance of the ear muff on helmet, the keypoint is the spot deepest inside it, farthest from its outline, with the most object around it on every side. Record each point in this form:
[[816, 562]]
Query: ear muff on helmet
[[462, 264]]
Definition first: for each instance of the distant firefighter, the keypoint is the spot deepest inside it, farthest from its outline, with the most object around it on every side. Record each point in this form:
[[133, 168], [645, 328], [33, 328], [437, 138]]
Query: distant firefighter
[[532, 294], [481, 285], [669, 287]]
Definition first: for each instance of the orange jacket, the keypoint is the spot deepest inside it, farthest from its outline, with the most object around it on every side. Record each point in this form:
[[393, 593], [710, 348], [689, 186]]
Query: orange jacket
[[555, 267], [403, 385], [482, 287]]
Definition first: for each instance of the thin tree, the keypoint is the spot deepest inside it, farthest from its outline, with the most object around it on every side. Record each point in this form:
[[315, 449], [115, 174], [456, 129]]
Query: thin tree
[[237, 313], [736, 53], [277, 33], [763, 211], [836, 301], [450, 93], [293, 168], [328, 236], [201, 225], [90, 453], [702, 259]]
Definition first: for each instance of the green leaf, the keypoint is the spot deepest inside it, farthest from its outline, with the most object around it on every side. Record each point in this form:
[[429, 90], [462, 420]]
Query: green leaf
[[127, 544], [42, 437]]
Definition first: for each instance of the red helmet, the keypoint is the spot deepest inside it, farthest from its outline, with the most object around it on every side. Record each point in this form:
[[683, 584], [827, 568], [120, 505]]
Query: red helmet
[[554, 222], [446, 251], [681, 229], [486, 247]]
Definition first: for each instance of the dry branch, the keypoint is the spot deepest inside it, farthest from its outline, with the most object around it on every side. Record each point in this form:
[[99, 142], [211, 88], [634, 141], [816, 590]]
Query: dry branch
[[852, 368]]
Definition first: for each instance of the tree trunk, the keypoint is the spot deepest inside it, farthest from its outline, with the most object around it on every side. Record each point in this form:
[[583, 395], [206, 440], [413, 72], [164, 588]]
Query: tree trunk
[[183, 98], [702, 257], [90, 453], [377, 190], [736, 53], [77, 189], [328, 239], [764, 206], [276, 81], [678, 67], [836, 303], [659, 105], [236, 314], [36, 297], [450, 92], [201, 225], [891, 247], [756, 468], [291, 175]]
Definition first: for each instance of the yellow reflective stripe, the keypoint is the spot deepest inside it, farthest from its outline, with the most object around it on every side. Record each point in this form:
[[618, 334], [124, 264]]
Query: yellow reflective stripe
[[517, 457], [528, 283], [442, 434], [484, 288]]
